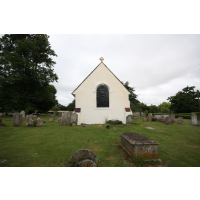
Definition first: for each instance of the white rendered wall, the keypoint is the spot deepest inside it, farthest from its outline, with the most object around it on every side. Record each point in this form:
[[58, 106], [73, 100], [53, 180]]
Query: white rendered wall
[[85, 96]]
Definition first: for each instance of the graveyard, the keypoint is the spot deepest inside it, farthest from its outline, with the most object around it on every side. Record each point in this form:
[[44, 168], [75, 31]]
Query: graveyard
[[52, 145]]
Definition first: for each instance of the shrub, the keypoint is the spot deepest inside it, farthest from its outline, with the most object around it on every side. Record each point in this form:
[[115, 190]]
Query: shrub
[[34, 123], [139, 162], [114, 122]]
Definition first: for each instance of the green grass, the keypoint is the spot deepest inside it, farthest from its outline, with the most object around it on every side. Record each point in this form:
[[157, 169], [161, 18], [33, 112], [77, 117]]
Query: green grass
[[53, 144]]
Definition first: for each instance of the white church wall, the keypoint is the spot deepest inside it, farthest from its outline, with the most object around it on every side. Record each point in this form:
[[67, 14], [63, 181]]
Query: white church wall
[[86, 98]]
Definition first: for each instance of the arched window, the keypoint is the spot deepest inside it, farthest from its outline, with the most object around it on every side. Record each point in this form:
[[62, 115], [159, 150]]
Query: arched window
[[102, 96]]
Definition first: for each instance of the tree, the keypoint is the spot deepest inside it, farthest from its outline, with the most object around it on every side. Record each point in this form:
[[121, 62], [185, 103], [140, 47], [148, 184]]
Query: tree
[[164, 107], [134, 103], [71, 106], [26, 69], [184, 101], [153, 108]]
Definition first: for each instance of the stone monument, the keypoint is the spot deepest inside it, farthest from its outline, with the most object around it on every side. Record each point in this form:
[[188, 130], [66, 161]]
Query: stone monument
[[180, 120], [129, 119], [193, 117], [17, 119], [150, 116]]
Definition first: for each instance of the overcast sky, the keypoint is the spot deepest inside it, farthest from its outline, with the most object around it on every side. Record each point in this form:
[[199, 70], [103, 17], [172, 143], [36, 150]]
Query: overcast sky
[[157, 66]]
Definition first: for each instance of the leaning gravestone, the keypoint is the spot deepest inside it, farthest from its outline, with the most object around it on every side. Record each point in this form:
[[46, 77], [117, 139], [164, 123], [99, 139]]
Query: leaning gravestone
[[73, 119], [83, 158], [180, 120], [150, 116], [23, 114], [129, 119], [193, 117], [17, 119]]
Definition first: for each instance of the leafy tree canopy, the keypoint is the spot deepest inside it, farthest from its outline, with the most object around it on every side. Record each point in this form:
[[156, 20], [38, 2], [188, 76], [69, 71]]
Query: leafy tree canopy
[[134, 103], [164, 107], [184, 101], [71, 106], [26, 69]]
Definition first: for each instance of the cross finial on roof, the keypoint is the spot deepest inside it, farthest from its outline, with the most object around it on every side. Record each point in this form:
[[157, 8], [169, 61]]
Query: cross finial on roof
[[101, 59]]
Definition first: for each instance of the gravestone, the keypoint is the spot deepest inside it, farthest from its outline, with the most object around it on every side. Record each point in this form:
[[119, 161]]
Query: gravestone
[[162, 119], [145, 119], [193, 117], [136, 114], [51, 119], [180, 120], [17, 119], [29, 120], [65, 119], [144, 114], [73, 119], [83, 156], [150, 116], [23, 114], [39, 122], [167, 120], [44, 121], [129, 119], [172, 118]]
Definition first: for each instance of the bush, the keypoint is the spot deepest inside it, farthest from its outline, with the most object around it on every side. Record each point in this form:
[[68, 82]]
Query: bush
[[114, 122], [34, 123]]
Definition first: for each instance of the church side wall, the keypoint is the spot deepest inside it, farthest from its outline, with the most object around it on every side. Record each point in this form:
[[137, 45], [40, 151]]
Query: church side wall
[[86, 98]]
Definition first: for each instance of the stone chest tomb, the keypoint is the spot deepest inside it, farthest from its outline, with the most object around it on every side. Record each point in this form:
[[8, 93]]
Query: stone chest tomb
[[139, 146]]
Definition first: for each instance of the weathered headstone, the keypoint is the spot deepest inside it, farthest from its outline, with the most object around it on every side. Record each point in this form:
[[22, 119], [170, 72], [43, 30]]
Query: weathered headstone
[[145, 119], [23, 114], [162, 119], [136, 114], [44, 121], [17, 119], [172, 118], [167, 120], [150, 116], [83, 158], [51, 119], [129, 119], [193, 117], [73, 119], [65, 119], [29, 120], [144, 114], [180, 120], [39, 122]]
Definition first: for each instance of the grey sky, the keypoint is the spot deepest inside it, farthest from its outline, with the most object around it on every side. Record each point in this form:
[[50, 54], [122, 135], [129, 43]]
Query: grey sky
[[157, 66]]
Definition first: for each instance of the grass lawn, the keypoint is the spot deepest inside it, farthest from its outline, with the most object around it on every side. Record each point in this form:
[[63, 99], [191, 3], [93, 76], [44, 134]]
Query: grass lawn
[[53, 145]]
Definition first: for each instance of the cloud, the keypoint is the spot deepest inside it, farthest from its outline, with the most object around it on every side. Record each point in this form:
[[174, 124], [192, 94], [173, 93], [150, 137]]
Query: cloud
[[158, 66]]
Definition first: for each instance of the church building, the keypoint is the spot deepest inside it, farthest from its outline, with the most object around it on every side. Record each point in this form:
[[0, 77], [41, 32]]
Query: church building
[[100, 97]]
